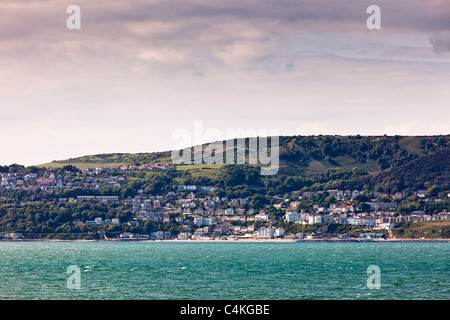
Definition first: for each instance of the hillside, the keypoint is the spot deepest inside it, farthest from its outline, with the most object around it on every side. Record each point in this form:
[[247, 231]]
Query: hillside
[[423, 172], [306, 156], [110, 160], [433, 230], [310, 155]]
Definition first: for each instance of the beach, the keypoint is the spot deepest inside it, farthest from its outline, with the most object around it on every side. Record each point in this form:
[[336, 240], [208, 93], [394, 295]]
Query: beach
[[249, 240]]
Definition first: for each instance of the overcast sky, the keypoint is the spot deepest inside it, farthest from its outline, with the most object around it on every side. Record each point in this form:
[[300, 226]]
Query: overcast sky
[[138, 70]]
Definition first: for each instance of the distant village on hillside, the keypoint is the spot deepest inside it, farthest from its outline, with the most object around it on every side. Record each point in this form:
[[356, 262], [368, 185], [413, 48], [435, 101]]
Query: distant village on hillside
[[198, 214]]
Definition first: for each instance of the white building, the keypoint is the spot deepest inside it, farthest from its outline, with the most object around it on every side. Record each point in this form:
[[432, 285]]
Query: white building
[[315, 219], [387, 226], [303, 216], [261, 217], [279, 232], [199, 220], [353, 221], [266, 233], [292, 217], [184, 235], [229, 211], [15, 235]]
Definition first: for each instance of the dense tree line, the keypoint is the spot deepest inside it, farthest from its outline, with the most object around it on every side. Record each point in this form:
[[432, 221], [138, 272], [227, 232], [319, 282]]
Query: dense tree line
[[43, 218], [385, 151]]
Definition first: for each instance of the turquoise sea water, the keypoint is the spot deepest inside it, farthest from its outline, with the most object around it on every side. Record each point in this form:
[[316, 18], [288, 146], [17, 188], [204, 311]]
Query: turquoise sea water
[[279, 271]]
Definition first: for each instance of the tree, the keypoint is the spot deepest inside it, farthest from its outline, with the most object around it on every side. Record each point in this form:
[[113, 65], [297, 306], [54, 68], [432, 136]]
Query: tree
[[128, 192], [232, 175], [433, 191], [362, 206]]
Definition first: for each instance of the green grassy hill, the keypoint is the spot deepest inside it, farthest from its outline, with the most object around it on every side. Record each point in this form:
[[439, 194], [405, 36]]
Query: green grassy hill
[[110, 160], [377, 157]]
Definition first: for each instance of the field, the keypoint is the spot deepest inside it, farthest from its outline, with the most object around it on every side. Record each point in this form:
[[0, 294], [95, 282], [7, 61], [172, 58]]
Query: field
[[81, 165], [205, 170], [429, 229]]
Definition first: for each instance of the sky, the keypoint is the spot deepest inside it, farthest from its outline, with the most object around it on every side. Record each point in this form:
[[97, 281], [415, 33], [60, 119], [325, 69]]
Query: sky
[[136, 71]]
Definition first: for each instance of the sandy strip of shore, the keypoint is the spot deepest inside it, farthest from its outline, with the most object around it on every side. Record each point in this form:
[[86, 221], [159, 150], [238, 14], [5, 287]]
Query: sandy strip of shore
[[306, 240], [233, 240]]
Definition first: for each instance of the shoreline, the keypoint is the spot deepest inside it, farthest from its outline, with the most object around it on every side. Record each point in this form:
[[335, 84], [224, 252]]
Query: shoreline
[[233, 240]]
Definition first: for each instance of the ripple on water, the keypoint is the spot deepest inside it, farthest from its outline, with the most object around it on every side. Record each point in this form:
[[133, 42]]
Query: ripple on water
[[224, 271]]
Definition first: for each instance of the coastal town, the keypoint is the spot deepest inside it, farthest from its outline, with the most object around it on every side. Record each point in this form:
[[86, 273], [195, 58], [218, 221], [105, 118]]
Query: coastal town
[[197, 212]]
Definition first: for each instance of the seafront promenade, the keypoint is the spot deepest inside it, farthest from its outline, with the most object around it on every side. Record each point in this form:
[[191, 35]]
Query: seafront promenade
[[235, 240]]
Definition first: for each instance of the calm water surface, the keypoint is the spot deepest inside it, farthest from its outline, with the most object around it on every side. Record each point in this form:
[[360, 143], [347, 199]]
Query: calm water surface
[[38, 270]]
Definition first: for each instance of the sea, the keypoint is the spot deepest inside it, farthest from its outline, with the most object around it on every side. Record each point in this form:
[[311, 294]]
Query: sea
[[224, 271]]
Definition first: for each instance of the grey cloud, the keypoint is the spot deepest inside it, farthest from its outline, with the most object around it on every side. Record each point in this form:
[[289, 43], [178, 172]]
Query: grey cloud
[[217, 22], [411, 14], [202, 33], [440, 42], [336, 16]]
